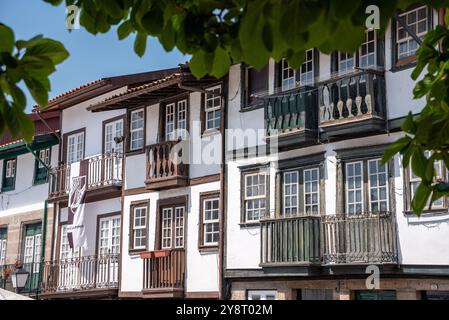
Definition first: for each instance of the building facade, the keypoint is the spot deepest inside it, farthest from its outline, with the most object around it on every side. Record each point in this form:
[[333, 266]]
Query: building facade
[[266, 184], [311, 211]]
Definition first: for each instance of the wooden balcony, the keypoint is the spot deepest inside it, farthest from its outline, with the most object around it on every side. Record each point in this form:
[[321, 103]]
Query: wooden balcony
[[82, 277], [288, 241], [358, 239], [165, 168], [163, 273], [292, 117], [104, 174], [368, 238], [353, 104]]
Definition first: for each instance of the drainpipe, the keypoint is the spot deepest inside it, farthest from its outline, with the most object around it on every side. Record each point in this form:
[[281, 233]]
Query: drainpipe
[[44, 224]]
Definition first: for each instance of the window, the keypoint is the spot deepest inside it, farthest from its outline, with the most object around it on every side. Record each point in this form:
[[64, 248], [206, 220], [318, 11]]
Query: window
[[65, 252], [414, 182], [209, 219], [255, 196], [137, 130], [40, 172], [75, 147], [261, 294], [374, 179], [255, 85], [305, 75], [213, 108], [9, 174], [300, 192], [109, 236], [365, 57], [32, 244], [175, 121], [113, 129], [139, 216], [172, 226], [418, 21], [3, 236]]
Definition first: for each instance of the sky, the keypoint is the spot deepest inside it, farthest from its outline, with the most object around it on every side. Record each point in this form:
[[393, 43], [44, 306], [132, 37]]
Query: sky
[[91, 57]]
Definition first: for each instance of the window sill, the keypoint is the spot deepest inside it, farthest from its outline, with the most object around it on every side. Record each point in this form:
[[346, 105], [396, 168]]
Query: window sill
[[210, 132], [136, 252], [8, 189], [428, 213], [249, 224], [208, 249], [404, 64]]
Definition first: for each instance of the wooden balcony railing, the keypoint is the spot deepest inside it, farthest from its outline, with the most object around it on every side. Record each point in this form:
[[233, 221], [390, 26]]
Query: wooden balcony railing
[[353, 97], [165, 168], [291, 112], [360, 238], [83, 273], [163, 273], [290, 240], [59, 181], [102, 171]]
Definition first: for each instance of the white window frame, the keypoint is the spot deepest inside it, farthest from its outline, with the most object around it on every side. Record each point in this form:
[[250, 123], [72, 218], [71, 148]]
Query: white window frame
[[44, 156], [311, 193], [106, 225], [140, 228], [257, 197], [408, 39], [167, 229], [291, 195], [137, 130], [75, 147], [179, 226], [287, 82], [109, 129], [3, 248], [377, 161], [170, 121], [214, 109], [263, 294], [10, 171], [181, 125], [347, 190], [366, 43], [211, 221], [306, 75], [345, 62]]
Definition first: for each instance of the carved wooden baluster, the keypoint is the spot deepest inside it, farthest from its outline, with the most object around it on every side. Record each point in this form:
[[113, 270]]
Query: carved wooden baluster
[[358, 99], [339, 103], [369, 93], [325, 108], [349, 100]]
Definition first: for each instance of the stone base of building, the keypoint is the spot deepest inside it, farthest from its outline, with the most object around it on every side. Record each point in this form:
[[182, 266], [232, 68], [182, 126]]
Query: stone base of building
[[343, 289]]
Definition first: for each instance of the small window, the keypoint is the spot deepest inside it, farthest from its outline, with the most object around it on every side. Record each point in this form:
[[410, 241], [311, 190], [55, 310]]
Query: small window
[[9, 174], [255, 196], [210, 219], [139, 227], [172, 227], [213, 108], [113, 130], [418, 21], [137, 130], [40, 172], [75, 147], [255, 86], [261, 294]]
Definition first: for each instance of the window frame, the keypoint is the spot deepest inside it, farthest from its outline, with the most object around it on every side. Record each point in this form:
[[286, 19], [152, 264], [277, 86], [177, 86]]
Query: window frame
[[108, 217], [252, 172], [283, 66], [5, 173], [176, 102], [214, 109], [38, 166], [246, 104], [262, 292], [109, 122], [171, 203], [132, 249], [208, 196], [3, 244], [131, 131], [66, 137]]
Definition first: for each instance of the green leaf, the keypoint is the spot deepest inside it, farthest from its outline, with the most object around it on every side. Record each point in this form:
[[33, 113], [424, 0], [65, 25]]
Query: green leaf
[[124, 30], [167, 37], [140, 44], [419, 201], [38, 90], [48, 48], [197, 64], [395, 148], [221, 63], [6, 39], [409, 125], [419, 163], [153, 20]]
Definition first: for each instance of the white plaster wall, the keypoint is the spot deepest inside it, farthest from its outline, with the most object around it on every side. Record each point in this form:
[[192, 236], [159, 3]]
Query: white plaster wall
[[77, 117], [25, 196], [135, 168]]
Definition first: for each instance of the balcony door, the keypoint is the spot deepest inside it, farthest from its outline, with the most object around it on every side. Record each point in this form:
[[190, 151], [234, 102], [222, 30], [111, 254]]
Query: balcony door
[[75, 147], [70, 263], [32, 244], [112, 130], [3, 235], [172, 227], [108, 250]]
